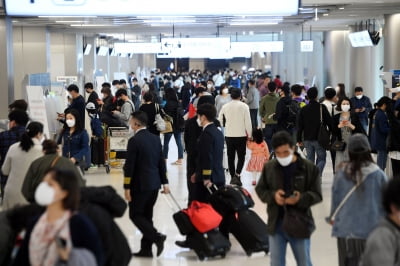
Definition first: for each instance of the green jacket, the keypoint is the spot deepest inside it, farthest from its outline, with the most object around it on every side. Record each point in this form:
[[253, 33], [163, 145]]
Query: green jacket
[[39, 167], [268, 107], [306, 180]]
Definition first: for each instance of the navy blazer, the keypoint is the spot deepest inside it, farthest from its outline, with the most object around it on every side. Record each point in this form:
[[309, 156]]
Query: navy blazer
[[144, 167], [210, 152], [380, 131]]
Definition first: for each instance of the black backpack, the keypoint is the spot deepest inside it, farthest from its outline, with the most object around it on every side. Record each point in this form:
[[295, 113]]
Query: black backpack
[[293, 109]]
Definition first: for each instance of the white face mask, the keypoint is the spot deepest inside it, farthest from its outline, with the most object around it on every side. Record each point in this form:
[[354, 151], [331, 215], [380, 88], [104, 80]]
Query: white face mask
[[198, 122], [345, 107], [285, 161], [225, 91], [359, 96], [70, 122], [209, 86], [44, 194]]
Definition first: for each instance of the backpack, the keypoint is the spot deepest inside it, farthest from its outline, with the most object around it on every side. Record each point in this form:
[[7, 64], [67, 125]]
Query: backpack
[[293, 109], [96, 126]]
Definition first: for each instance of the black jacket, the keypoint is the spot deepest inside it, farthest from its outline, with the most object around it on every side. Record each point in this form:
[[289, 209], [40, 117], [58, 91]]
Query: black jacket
[[309, 119], [337, 133], [171, 109], [282, 112], [144, 167], [93, 99], [210, 152]]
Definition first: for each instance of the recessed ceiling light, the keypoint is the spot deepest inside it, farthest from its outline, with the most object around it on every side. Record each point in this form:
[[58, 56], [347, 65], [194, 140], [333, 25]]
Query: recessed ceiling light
[[341, 8], [325, 14]]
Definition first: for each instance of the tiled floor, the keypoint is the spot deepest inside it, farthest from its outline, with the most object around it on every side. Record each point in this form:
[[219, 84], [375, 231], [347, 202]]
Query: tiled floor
[[323, 246]]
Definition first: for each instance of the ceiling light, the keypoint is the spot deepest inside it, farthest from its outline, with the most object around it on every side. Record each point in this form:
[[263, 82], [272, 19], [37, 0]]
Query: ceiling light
[[90, 25], [70, 21], [244, 23], [170, 21], [325, 14], [67, 16], [341, 8]]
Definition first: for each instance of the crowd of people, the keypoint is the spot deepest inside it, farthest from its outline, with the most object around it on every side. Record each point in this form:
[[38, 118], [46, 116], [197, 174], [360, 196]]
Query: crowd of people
[[287, 128]]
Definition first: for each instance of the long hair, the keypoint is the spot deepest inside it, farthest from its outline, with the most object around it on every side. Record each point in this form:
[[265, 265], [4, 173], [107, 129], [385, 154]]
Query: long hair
[[356, 162], [78, 120], [31, 131]]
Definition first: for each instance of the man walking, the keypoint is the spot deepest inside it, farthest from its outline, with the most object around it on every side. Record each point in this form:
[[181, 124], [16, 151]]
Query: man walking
[[308, 126], [253, 101], [235, 117], [362, 106], [144, 172], [288, 183], [267, 112]]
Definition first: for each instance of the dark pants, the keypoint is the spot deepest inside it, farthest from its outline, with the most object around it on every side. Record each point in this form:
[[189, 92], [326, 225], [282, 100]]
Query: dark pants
[[269, 132], [141, 214], [254, 117], [350, 251], [190, 170], [396, 168], [236, 145], [3, 181]]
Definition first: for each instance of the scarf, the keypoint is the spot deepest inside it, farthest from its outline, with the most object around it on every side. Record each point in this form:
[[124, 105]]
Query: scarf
[[42, 244]]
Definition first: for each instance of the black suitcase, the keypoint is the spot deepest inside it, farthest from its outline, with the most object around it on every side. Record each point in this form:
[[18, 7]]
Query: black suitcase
[[230, 198], [251, 231], [208, 245], [183, 223], [97, 150]]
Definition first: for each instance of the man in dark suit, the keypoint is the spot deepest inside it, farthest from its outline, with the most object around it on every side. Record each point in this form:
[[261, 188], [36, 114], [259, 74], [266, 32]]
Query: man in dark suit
[[145, 172], [210, 151]]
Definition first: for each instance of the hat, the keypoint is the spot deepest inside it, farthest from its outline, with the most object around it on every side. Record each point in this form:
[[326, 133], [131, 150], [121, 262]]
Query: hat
[[90, 106], [358, 143], [395, 90]]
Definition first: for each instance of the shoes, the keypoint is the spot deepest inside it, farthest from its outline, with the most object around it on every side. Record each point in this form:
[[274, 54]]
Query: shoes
[[177, 163], [143, 254], [182, 244], [160, 243], [235, 180], [254, 182]]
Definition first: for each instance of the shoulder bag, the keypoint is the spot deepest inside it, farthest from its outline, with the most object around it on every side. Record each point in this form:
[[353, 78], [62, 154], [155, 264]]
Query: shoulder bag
[[297, 223], [168, 122], [159, 121], [324, 136]]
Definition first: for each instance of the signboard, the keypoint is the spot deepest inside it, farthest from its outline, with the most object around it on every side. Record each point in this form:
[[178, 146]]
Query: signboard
[[37, 107], [306, 46], [136, 8], [67, 79]]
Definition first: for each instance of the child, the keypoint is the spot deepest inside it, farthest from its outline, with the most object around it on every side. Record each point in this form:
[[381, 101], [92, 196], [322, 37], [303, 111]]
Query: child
[[259, 154]]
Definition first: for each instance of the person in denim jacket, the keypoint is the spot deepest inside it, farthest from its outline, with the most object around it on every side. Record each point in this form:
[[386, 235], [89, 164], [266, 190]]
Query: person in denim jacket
[[75, 138], [362, 211]]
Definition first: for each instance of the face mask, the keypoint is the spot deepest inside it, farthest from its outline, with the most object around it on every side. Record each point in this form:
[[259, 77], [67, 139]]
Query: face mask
[[345, 108], [44, 194], [285, 161], [70, 122], [337, 89], [225, 91], [209, 86], [198, 122], [359, 97]]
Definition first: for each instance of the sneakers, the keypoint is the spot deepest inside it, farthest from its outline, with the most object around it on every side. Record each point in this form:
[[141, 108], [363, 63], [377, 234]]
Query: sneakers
[[235, 180]]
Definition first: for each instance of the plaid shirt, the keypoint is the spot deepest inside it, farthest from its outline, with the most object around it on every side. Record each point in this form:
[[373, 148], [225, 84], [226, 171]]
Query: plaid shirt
[[8, 138]]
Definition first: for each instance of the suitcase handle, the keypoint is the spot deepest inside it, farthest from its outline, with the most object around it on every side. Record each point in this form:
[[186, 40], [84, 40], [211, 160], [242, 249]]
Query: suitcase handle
[[210, 190], [175, 202]]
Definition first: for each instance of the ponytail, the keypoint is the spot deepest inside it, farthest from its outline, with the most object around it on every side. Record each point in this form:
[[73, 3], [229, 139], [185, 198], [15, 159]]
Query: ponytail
[[32, 130]]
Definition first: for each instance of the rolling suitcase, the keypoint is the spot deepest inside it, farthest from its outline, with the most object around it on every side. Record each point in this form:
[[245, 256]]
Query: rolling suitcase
[[231, 198], [250, 231], [97, 151], [205, 245]]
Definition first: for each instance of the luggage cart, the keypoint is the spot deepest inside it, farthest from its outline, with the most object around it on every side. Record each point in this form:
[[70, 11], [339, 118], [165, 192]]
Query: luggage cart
[[116, 147]]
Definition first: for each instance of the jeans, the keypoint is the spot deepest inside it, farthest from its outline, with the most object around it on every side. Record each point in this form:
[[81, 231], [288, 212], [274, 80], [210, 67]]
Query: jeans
[[364, 124], [278, 243], [178, 140], [254, 117], [312, 147], [269, 132], [381, 159], [236, 145]]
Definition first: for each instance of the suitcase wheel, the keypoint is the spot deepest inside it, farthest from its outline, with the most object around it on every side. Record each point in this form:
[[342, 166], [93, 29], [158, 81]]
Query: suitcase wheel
[[266, 251], [223, 255], [248, 253], [201, 256], [107, 169]]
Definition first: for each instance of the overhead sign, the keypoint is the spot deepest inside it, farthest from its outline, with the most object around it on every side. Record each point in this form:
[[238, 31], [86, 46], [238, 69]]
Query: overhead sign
[[306, 46], [360, 39], [67, 79], [194, 47], [135, 8], [137, 48]]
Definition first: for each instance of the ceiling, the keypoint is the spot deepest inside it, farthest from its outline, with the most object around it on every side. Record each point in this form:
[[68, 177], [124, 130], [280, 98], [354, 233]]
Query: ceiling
[[331, 15]]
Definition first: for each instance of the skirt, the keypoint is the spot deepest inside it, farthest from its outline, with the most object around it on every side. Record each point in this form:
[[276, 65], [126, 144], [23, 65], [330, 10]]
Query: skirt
[[256, 164]]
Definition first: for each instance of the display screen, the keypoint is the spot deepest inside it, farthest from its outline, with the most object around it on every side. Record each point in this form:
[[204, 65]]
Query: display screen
[[156, 7], [360, 39]]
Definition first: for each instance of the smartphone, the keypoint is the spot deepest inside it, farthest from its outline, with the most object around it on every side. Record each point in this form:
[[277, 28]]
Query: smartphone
[[61, 242]]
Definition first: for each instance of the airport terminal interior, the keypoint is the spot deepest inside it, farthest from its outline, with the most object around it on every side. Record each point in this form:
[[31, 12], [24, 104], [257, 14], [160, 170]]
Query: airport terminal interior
[[48, 45]]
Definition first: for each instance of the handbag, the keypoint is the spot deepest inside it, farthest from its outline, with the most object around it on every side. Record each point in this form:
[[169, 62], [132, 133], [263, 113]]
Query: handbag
[[168, 123], [159, 121], [203, 217], [324, 136], [297, 223], [338, 145]]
